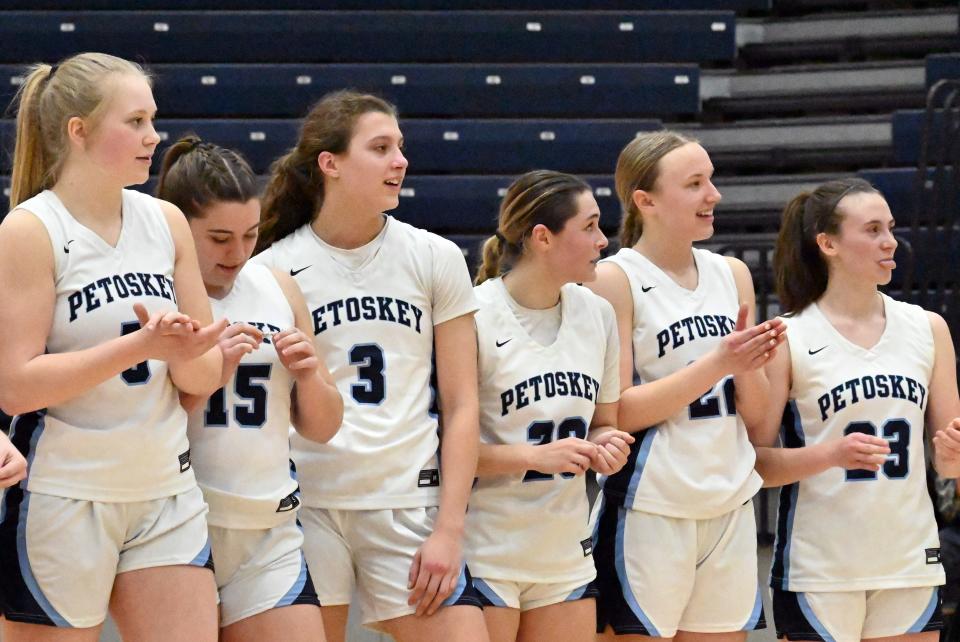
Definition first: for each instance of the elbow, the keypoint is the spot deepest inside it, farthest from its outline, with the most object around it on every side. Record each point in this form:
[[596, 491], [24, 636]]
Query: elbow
[[320, 431], [14, 401]]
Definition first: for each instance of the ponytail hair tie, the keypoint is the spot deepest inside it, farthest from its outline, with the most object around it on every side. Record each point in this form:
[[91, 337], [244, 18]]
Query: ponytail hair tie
[[501, 238]]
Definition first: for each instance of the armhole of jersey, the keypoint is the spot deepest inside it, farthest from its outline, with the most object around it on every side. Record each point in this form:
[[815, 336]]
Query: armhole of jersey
[[48, 222], [634, 312], [154, 205]]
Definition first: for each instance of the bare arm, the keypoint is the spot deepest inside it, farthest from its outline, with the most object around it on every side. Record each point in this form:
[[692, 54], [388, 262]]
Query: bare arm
[[436, 564], [943, 404], [751, 386], [317, 408], [195, 375]]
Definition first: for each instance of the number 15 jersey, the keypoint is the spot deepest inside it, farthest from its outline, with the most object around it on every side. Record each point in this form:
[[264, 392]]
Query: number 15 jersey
[[855, 530], [373, 326]]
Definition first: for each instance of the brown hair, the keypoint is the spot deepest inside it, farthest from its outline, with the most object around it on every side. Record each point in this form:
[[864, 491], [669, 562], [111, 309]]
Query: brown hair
[[540, 197], [48, 98], [295, 191], [638, 167], [800, 271], [194, 174]]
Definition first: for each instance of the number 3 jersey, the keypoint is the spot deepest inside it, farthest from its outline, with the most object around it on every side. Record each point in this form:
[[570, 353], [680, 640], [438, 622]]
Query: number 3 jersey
[[240, 437], [858, 530], [533, 526], [373, 325], [699, 463], [125, 439]]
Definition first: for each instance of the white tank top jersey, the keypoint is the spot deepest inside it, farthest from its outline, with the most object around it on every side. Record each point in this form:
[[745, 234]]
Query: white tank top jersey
[[533, 526], [373, 327], [240, 439], [698, 464], [125, 439], [859, 530]]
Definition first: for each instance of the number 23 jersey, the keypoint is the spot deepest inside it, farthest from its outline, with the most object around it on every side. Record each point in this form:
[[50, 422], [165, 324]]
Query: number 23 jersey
[[373, 327], [852, 530]]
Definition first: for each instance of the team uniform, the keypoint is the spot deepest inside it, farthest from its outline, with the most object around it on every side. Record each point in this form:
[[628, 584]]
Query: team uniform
[[370, 494], [528, 538], [883, 581], [240, 445], [675, 527], [109, 469]]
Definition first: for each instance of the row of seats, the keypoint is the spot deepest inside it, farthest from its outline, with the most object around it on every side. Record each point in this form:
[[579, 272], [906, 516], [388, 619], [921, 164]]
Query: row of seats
[[432, 146], [451, 91], [393, 5], [942, 66], [372, 36]]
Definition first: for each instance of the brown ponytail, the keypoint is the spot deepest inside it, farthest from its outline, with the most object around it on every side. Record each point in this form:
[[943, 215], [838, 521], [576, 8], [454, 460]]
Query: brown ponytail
[[800, 271], [48, 98], [294, 193], [638, 168], [540, 197], [195, 174]]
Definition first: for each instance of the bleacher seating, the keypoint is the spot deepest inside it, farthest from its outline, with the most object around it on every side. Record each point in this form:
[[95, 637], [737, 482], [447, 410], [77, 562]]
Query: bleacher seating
[[941, 66], [464, 91], [372, 36]]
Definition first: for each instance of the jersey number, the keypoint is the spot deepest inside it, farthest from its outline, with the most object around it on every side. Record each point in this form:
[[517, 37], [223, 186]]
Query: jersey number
[[140, 373], [897, 433], [541, 433], [709, 405], [248, 384], [368, 357]]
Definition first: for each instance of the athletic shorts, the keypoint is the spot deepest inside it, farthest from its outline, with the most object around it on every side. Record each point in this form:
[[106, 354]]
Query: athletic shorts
[[371, 550], [526, 596], [59, 556], [260, 569], [851, 616], [659, 574]]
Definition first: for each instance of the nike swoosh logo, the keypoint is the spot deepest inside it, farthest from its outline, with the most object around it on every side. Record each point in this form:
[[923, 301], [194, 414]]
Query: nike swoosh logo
[[500, 344], [648, 288], [66, 248], [812, 352], [296, 272]]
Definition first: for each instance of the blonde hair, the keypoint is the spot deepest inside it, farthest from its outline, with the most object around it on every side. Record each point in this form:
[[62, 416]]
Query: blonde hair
[[540, 197], [638, 167], [48, 98], [295, 191]]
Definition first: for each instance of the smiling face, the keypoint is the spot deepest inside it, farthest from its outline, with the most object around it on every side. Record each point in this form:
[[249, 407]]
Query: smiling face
[[121, 139], [864, 246], [372, 169], [225, 236], [575, 249], [683, 196]]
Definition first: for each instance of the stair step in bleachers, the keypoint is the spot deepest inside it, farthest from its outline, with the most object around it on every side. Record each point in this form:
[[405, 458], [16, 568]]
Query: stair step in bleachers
[[393, 5], [453, 91], [372, 36], [942, 66]]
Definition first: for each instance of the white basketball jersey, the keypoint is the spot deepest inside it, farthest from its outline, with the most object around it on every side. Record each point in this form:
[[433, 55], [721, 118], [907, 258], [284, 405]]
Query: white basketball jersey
[[697, 464], [373, 328], [240, 439], [125, 439], [533, 526], [859, 530]]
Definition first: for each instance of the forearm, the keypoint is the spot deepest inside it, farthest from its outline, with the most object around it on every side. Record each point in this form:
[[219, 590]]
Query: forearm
[[458, 453], [199, 376], [948, 467], [648, 404], [317, 409], [504, 459], [51, 379], [753, 406], [782, 466]]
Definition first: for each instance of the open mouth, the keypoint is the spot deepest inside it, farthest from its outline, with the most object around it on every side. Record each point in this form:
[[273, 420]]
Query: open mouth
[[393, 182], [705, 214]]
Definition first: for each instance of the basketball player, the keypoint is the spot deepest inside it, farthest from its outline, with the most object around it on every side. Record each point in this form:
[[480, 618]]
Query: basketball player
[[857, 554], [676, 528], [111, 319], [271, 375], [549, 384], [381, 295]]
